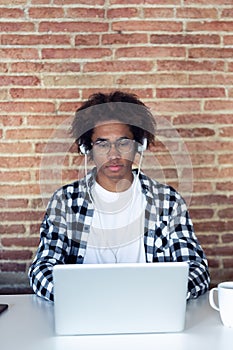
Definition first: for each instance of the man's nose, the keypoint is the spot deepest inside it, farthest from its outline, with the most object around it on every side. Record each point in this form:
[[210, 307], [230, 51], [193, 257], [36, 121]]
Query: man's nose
[[113, 152]]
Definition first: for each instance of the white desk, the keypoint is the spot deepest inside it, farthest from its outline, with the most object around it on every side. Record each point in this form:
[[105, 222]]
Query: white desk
[[28, 324]]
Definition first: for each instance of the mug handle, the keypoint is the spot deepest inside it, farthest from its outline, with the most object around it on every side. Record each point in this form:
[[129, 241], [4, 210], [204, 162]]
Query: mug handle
[[211, 298]]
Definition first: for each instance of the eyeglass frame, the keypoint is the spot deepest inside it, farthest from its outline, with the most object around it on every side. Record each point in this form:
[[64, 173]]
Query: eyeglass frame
[[116, 144]]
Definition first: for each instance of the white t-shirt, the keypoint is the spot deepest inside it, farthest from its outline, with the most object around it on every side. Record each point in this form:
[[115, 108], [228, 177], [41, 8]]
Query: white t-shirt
[[117, 231]]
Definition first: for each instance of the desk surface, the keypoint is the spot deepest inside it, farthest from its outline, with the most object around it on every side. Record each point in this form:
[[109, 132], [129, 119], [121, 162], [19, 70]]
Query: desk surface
[[29, 324]]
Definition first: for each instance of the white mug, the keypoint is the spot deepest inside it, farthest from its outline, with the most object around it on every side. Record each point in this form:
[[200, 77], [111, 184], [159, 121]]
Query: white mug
[[225, 302]]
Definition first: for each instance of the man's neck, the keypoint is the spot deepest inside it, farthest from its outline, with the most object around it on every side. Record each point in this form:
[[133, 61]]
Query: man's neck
[[115, 185]]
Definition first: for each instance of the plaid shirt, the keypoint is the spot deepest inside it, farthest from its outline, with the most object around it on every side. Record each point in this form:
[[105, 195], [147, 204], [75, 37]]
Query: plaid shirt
[[168, 233]]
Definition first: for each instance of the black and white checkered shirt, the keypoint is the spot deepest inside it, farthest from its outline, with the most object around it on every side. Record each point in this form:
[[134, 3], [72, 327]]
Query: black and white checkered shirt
[[168, 233]]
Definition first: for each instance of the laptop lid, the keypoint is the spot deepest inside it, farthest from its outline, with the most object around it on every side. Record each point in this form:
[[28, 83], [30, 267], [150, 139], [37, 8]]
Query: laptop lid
[[120, 298]]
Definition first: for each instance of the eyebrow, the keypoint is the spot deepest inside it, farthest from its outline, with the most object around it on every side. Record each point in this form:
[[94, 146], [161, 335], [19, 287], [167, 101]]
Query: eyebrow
[[120, 138]]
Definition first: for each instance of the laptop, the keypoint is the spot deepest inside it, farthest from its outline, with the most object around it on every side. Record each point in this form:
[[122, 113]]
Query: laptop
[[120, 298]]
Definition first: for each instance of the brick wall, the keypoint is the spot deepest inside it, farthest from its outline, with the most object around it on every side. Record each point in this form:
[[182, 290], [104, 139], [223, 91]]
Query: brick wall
[[176, 55]]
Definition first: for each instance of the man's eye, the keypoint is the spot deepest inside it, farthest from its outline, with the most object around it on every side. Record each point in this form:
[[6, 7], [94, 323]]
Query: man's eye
[[102, 144], [124, 143]]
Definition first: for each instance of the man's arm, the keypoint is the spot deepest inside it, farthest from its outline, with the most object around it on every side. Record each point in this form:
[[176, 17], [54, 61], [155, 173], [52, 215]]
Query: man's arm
[[53, 249], [184, 246]]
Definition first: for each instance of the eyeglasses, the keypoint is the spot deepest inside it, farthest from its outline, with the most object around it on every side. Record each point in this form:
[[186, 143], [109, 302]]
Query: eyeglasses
[[122, 145]]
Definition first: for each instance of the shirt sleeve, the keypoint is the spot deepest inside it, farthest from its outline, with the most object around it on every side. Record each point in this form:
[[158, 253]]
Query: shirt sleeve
[[184, 246], [53, 249]]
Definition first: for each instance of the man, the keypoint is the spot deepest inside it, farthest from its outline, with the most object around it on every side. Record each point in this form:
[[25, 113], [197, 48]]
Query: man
[[116, 213]]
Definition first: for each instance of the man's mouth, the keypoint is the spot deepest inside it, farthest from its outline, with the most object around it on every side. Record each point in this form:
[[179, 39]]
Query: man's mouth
[[114, 167]]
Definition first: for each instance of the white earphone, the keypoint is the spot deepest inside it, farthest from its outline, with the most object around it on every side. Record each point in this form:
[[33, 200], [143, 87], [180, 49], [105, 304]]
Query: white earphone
[[142, 147], [83, 149]]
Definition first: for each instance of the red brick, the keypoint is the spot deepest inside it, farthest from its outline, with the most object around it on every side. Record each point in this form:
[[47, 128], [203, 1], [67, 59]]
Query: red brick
[[123, 12], [14, 2], [14, 176], [225, 159], [147, 2], [158, 12], [17, 26], [224, 186], [178, 106], [69, 106], [19, 190], [220, 250], [34, 229], [44, 93], [213, 263], [211, 52], [35, 40], [210, 79], [15, 254], [198, 214], [226, 172], [12, 229], [15, 162], [12, 13], [50, 120], [195, 132], [203, 119], [228, 40], [182, 65], [3, 67], [45, 67], [12, 267], [211, 2], [189, 39], [228, 13], [87, 40], [17, 147], [13, 120], [207, 173], [217, 105], [117, 66], [208, 239], [192, 12], [19, 216], [27, 107], [80, 80], [227, 238], [20, 242], [149, 51], [78, 26], [143, 92], [13, 203], [124, 39], [81, 2], [202, 159], [210, 26], [210, 146], [190, 92], [15, 80], [40, 2], [226, 132], [147, 80], [46, 12], [228, 263], [75, 53], [86, 13], [19, 54], [210, 200], [144, 26]]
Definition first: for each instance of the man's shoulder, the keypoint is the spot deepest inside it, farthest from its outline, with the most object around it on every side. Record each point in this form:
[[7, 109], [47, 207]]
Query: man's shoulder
[[71, 190], [159, 189]]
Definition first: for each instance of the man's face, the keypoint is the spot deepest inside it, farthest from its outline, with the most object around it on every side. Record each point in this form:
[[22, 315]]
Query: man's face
[[113, 162]]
